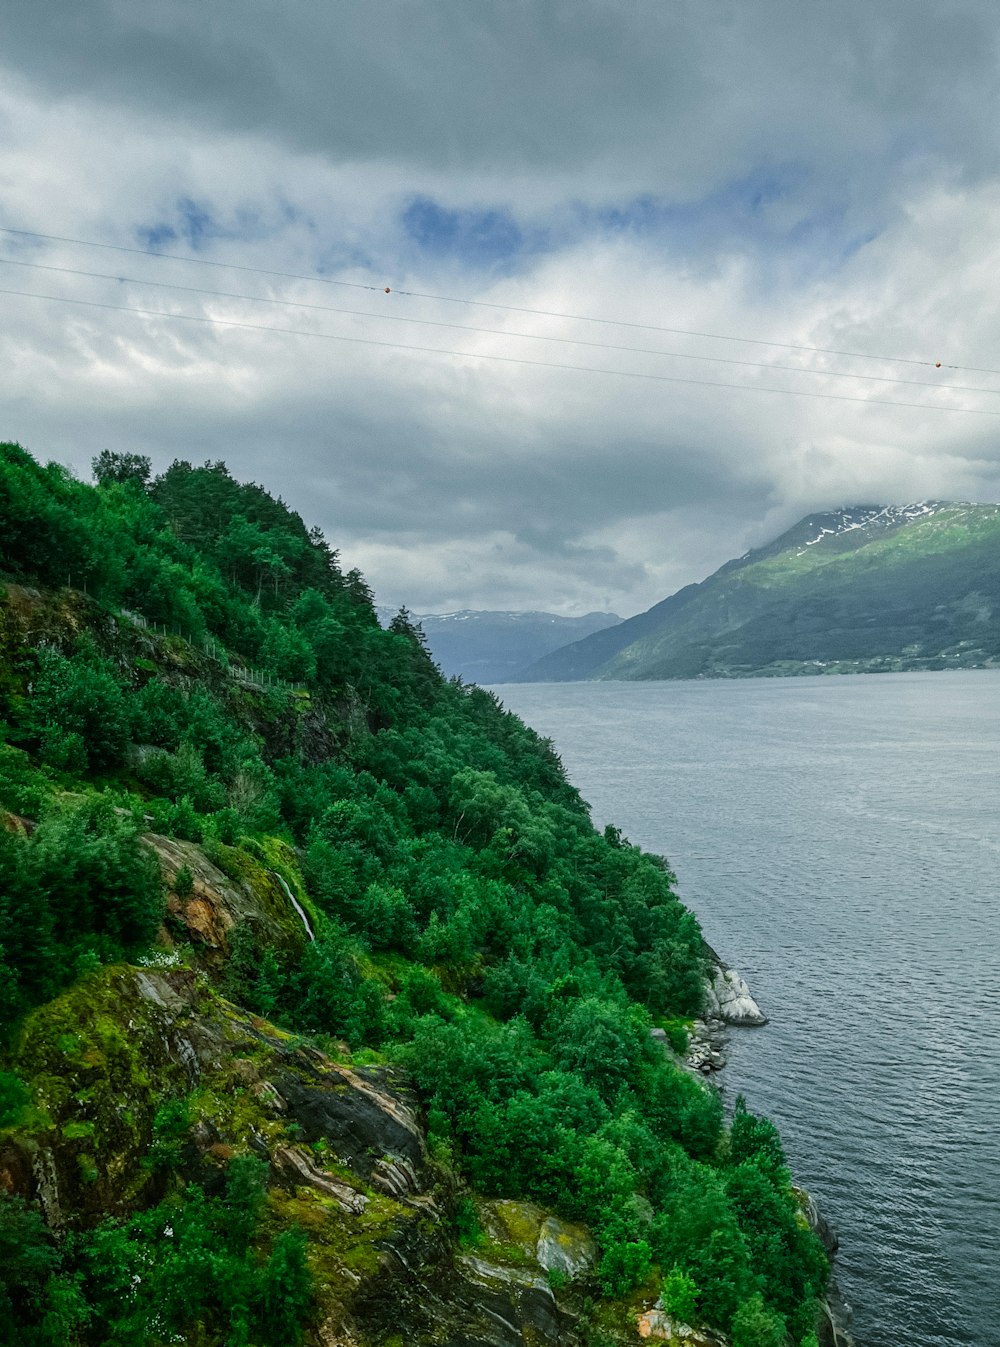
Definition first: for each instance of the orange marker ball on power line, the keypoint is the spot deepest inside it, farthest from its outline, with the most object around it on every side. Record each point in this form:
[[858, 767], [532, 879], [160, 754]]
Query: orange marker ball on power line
[[386, 289], [937, 364]]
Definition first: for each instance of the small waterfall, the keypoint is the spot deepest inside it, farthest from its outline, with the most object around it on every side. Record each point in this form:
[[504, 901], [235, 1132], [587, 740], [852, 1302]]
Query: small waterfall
[[295, 903]]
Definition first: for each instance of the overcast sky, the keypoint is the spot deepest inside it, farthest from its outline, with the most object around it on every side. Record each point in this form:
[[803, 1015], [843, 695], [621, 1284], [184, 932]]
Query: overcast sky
[[812, 174]]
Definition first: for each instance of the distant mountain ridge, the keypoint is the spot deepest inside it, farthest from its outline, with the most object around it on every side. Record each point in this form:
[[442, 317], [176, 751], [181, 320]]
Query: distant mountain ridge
[[864, 588], [494, 646]]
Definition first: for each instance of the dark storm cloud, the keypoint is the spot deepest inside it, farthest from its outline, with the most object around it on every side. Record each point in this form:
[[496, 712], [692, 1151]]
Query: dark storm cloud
[[682, 92]]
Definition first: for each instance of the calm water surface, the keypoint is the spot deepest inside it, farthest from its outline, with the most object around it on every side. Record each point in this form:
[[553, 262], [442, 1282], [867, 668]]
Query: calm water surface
[[839, 839]]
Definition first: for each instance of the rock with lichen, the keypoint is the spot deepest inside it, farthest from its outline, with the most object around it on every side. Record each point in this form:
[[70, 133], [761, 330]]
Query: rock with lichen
[[345, 1147]]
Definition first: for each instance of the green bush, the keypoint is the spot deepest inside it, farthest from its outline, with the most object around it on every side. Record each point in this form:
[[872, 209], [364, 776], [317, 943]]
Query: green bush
[[677, 1037], [80, 888], [28, 1260], [78, 712], [467, 1225], [754, 1325], [206, 1282], [625, 1266], [171, 1126], [679, 1296], [183, 882], [23, 788], [14, 1099]]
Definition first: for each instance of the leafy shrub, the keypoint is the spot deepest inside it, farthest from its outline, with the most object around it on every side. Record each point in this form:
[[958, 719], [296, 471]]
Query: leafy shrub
[[80, 886], [28, 1258], [679, 1296], [467, 1225], [182, 775], [625, 1266], [183, 882], [754, 1138], [78, 712], [171, 1125], [22, 787], [754, 1325], [14, 1098]]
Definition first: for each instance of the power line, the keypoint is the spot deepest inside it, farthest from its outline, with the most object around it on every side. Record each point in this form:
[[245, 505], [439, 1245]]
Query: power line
[[490, 331], [180, 257], [504, 359], [506, 308], [692, 332]]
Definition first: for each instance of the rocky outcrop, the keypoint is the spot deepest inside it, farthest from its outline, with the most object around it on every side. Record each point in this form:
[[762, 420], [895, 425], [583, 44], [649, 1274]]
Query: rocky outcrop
[[554, 1244], [345, 1147], [232, 889], [832, 1331], [565, 1248], [657, 1326], [835, 1313], [728, 1001], [515, 1306], [706, 1046], [728, 998]]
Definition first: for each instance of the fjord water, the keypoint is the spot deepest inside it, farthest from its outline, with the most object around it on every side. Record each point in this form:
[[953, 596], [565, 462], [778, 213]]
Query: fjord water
[[839, 839]]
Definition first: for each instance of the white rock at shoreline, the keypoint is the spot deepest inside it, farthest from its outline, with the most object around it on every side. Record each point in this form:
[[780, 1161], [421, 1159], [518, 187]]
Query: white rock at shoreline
[[728, 998]]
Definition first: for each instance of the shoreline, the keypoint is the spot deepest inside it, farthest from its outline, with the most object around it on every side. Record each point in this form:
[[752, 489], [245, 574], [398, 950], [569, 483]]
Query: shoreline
[[730, 1004]]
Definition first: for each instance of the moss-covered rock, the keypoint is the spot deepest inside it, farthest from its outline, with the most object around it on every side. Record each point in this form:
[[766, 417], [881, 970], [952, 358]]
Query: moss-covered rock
[[98, 1061], [565, 1248], [109, 1060], [525, 1234], [233, 888]]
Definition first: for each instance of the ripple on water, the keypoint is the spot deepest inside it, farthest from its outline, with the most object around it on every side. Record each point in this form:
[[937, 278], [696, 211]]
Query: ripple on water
[[838, 840]]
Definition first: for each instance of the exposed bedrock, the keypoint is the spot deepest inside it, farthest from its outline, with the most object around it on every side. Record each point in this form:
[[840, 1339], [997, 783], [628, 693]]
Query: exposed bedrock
[[345, 1147], [728, 998]]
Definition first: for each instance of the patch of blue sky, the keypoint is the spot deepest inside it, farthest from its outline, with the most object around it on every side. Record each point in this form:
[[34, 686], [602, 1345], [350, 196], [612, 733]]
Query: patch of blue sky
[[742, 204], [827, 235], [913, 143], [196, 224], [480, 238], [771, 215]]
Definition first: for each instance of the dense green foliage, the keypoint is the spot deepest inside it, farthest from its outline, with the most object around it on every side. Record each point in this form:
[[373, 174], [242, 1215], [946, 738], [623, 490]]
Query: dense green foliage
[[471, 922], [78, 891], [863, 590], [185, 1270]]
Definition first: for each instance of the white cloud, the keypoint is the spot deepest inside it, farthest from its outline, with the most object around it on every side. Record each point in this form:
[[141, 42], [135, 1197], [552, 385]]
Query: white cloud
[[747, 152]]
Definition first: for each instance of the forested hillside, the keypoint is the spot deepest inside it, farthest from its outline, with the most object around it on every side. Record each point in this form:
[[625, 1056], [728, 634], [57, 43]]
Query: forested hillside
[[262, 866], [868, 589]]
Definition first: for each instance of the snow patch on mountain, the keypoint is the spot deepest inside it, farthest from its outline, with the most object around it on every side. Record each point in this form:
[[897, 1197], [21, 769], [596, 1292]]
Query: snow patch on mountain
[[871, 517]]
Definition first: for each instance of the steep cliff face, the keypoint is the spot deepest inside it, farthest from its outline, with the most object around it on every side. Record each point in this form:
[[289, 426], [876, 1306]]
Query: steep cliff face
[[346, 1149], [236, 888], [346, 1153]]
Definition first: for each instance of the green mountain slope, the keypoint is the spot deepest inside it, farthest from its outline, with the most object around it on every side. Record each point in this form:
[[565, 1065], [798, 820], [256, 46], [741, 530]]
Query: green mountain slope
[[866, 589], [321, 999]]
